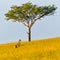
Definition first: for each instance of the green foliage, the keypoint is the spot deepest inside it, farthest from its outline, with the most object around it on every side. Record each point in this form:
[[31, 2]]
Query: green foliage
[[28, 12]]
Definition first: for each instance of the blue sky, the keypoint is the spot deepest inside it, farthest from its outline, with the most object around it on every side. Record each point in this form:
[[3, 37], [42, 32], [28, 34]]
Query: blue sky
[[11, 31]]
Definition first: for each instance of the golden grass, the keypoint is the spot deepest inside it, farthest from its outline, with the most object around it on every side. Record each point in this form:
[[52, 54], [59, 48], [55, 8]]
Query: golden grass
[[48, 49]]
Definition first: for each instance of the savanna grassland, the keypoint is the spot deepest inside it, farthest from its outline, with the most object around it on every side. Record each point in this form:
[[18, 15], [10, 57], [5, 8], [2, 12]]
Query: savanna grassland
[[48, 49]]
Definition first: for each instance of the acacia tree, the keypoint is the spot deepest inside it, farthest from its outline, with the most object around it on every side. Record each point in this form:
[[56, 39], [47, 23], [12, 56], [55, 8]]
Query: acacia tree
[[28, 14]]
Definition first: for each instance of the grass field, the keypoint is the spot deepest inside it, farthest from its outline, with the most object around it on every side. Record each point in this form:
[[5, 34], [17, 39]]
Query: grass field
[[48, 49]]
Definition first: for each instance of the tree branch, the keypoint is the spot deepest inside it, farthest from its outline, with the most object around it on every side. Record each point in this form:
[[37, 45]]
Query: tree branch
[[36, 19], [25, 24]]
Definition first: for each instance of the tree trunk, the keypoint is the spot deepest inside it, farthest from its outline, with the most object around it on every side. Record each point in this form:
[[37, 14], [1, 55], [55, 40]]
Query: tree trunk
[[29, 34]]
